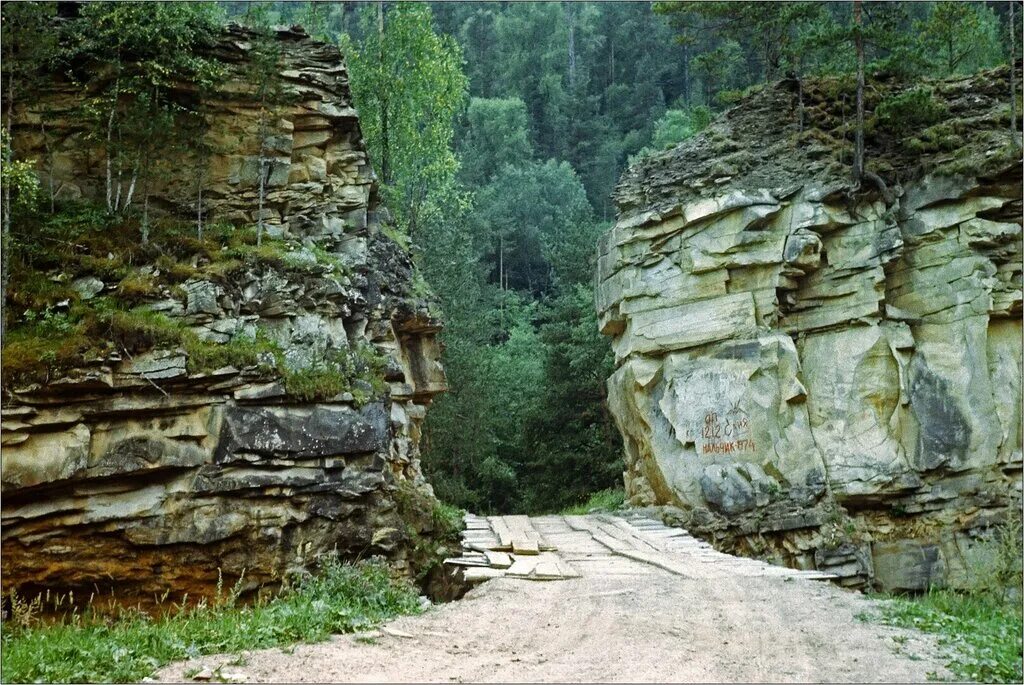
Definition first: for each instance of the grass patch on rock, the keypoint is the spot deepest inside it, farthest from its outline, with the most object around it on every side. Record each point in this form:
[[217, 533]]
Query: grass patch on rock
[[86, 647], [52, 328]]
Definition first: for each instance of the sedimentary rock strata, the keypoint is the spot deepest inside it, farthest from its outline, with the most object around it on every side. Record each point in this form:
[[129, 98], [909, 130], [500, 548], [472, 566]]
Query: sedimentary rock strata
[[825, 374], [131, 472]]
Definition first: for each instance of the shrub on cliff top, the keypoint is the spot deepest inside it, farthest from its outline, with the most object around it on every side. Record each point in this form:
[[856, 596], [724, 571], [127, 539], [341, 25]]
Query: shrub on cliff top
[[909, 111]]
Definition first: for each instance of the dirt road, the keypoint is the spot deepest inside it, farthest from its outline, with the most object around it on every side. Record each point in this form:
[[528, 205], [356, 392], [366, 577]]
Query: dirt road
[[649, 604]]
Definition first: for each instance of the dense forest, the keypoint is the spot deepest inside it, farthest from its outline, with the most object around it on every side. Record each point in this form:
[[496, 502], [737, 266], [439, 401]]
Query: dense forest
[[498, 132]]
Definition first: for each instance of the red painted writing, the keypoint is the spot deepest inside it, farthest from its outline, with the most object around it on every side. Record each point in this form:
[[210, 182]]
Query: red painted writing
[[729, 447]]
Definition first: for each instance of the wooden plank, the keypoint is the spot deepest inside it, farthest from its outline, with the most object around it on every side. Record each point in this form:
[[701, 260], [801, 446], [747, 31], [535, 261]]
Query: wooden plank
[[522, 567], [480, 574], [546, 570], [628, 535], [567, 570], [611, 543], [467, 561], [475, 547], [522, 527], [481, 539], [501, 529], [498, 559], [524, 546]]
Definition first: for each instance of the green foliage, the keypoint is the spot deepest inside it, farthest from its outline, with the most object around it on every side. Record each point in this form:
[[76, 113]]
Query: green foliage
[[675, 126], [447, 520], [18, 177], [341, 598], [137, 287], [911, 110], [539, 216], [317, 382], [603, 500], [359, 371], [52, 330], [981, 630], [575, 449], [1002, 575], [431, 526], [500, 260], [679, 124], [960, 37], [129, 57], [718, 29], [240, 352], [981, 634], [496, 137], [739, 44], [408, 85]]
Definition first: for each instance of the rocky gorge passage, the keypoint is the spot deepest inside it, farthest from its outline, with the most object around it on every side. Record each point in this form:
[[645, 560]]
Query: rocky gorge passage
[[648, 604], [824, 375]]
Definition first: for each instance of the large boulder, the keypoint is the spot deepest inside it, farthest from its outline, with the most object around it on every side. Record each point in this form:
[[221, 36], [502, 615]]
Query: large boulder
[[787, 343]]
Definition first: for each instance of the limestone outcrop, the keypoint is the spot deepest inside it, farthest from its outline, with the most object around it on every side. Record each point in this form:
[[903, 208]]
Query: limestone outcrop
[[137, 472], [822, 374]]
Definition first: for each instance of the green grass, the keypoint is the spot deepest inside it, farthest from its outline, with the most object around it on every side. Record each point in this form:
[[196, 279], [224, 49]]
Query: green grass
[[980, 632], [342, 598], [51, 330], [603, 500]]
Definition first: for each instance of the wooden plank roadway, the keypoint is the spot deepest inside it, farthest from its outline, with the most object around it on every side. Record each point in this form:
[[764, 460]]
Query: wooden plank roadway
[[514, 547]]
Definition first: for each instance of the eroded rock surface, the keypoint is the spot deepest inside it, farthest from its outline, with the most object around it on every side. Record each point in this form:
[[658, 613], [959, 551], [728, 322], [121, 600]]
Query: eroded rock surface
[[827, 375], [133, 473]]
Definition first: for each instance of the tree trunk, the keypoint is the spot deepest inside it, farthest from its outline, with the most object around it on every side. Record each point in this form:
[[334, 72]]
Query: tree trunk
[[199, 211], [131, 184], [145, 217], [800, 104], [262, 191], [385, 152], [501, 276], [49, 164], [858, 147], [570, 16], [799, 94], [1013, 76], [117, 195], [685, 67], [5, 236], [110, 137], [611, 66]]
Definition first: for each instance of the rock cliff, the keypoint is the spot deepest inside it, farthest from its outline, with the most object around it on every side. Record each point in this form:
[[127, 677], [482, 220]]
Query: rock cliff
[[826, 375], [155, 471]]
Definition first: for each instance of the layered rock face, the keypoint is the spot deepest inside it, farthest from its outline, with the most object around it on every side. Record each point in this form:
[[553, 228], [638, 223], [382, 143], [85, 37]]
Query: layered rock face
[[133, 473], [826, 375]]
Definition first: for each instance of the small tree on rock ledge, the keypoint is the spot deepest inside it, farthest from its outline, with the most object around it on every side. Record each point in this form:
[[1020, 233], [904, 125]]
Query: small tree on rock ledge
[[131, 57]]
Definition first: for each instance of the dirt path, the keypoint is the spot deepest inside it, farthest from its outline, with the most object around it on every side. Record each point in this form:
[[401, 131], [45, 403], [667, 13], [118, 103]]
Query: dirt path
[[649, 604]]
